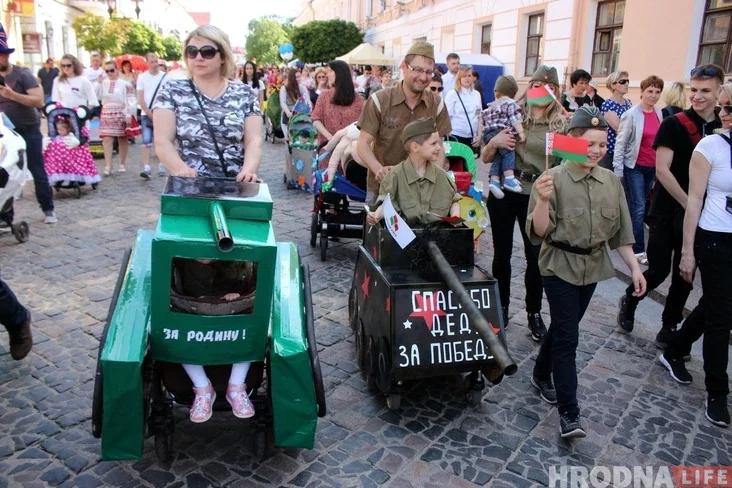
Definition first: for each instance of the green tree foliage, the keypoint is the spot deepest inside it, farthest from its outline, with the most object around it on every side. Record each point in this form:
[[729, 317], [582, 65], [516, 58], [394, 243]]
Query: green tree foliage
[[264, 39], [171, 48], [96, 33], [141, 39], [321, 41]]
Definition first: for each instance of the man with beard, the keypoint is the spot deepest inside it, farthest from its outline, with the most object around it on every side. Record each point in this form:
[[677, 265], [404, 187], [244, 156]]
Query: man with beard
[[388, 111], [20, 97]]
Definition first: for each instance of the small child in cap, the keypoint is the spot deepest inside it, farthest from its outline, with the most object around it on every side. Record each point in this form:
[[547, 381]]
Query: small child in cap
[[503, 113], [417, 186]]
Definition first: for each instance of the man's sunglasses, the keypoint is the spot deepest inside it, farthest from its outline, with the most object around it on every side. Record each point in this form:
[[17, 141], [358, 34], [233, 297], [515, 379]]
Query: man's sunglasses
[[436, 88], [110, 70], [705, 71], [622, 82], [66, 65], [207, 52]]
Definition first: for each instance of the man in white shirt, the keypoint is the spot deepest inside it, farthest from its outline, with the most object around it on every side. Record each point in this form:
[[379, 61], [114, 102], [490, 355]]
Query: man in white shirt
[[361, 80], [448, 79], [148, 85], [95, 73]]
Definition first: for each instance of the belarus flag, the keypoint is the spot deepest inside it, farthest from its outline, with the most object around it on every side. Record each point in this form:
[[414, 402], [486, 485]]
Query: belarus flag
[[566, 147], [542, 94], [399, 229]]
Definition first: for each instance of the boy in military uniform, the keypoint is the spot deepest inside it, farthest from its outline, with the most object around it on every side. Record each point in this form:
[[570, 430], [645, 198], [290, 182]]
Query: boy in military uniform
[[420, 190], [574, 210]]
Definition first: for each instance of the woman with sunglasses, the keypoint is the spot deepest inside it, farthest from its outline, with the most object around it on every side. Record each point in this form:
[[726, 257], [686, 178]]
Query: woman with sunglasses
[[612, 109], [70, 88], [118, 107], [321, 84], [202, 126]]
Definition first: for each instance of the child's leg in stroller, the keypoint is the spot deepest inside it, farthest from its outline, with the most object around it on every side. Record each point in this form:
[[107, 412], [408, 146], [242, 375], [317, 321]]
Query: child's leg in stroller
[[123, 149], [236, 392], [108, 145], [202, 407]]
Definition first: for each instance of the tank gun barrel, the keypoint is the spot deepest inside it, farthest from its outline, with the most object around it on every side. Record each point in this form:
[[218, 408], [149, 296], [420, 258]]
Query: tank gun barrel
[[500, 354], [221, 230]]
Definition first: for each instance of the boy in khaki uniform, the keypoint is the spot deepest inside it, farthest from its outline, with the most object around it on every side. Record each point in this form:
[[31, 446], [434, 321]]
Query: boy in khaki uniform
[[574, 210], [417, 186]]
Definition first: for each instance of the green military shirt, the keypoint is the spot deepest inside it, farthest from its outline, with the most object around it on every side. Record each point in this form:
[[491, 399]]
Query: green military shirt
[[414, 197], [587, 211], [531, 155], [386, 114]]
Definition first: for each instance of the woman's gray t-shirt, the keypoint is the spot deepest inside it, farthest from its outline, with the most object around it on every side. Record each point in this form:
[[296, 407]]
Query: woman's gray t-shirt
[[226, 115]]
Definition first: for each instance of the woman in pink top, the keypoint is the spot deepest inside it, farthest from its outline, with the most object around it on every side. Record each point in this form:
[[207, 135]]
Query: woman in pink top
[[635, 156], [338, 107]]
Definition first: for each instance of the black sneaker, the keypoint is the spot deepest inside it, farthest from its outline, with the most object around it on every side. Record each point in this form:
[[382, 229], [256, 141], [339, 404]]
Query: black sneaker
[[546, 389], [626, 313], [537, 327], [664, 335], [716, 411], [570, 427], [505, 317], [677, 369]]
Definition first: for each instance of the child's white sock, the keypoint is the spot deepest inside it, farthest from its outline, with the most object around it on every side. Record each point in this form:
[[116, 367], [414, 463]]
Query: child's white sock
[[238, 375], [509, 178], [147, 168], [197, 375]]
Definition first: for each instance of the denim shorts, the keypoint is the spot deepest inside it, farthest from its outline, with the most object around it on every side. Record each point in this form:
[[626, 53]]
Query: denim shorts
[[147, 130]]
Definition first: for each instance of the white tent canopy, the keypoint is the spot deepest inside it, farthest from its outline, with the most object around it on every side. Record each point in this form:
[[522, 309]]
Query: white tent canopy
[[366, 54]]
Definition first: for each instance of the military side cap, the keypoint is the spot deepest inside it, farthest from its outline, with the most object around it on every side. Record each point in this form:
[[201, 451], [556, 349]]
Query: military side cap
[[587, 117], [422, 48], [547, 74], [418, 127], [506, 85]]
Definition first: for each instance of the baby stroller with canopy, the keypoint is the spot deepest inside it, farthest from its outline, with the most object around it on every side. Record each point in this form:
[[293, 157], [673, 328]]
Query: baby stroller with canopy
[[461, 160], [273, 113], [302, 154], [13, 175], [67, 157]]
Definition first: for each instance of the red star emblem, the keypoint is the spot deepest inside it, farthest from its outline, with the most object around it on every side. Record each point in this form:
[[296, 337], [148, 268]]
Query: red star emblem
[[365, 285], [428, 316], [388, 304], [495, 330]]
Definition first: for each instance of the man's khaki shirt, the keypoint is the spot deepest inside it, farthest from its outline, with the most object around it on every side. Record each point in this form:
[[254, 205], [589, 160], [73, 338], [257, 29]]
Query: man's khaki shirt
[[414, 197], [587, 211], [386, 114]]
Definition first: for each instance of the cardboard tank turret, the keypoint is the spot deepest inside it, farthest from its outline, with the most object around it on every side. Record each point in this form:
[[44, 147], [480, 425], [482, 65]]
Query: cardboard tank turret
[[153, 326]]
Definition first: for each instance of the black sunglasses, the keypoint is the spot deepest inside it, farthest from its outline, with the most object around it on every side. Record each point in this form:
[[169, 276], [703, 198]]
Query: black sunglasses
[[207, 52], [705, 71], [436, 88], [622, 82], [66, 65], [110, 70], [727, 108]]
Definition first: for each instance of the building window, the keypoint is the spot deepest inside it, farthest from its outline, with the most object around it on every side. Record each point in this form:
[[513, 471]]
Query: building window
[[608, 34], [486, 33], [716, 37], [533, 43]]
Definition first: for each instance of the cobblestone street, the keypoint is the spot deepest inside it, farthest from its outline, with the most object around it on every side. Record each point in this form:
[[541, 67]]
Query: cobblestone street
[[635, 414]]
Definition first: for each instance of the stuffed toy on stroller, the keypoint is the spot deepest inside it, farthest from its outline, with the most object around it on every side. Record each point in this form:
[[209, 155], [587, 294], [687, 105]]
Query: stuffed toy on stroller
[[66, 154]]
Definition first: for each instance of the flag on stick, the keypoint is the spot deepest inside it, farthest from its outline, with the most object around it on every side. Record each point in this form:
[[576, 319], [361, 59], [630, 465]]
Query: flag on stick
[[542, 94], [398, 229], [566, 147]]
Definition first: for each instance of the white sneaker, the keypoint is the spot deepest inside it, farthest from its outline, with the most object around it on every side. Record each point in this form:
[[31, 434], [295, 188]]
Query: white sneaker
[[642, 258], [495, 188], [50, 217]]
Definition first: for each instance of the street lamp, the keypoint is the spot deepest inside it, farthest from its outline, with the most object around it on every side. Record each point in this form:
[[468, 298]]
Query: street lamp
[[137, 8], [112, 6]]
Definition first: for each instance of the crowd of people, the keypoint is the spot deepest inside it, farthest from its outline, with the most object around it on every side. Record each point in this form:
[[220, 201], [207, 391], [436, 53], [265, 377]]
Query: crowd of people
[[569, 216]]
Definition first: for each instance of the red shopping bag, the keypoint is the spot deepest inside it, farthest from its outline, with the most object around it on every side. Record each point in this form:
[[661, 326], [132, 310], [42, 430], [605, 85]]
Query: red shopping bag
[[134, 128]]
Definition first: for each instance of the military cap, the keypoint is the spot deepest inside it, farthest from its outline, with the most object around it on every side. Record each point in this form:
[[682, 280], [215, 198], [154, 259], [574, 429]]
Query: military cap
[[547, 74], [587, 117], [419, 127], [506, 85], [422, 48]]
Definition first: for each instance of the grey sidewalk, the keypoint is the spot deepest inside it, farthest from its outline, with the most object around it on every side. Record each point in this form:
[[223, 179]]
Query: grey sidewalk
[[635, 414]]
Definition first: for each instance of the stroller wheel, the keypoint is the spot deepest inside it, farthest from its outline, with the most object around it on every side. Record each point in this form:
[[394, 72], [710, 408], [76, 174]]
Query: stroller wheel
[[21, 231], [95, 186], [314, 230], [77, 191]]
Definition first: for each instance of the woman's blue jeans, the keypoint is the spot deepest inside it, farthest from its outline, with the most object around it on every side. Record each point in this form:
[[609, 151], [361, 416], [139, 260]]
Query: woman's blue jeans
[[638, 183]]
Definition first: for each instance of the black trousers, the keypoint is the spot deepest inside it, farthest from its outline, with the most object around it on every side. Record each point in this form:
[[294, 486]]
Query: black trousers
[[34, 152], [713, 315], [503, 214], [558, 352], [12, 314], [665, 238]]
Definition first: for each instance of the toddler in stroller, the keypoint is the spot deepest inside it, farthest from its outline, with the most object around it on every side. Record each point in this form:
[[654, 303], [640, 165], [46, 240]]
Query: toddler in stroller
[[67, 158]]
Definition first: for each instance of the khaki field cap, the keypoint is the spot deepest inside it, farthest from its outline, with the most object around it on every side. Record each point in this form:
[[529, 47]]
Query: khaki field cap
[[587, 117], [422, 48], [506, 85], [547, 74], [419, 127]]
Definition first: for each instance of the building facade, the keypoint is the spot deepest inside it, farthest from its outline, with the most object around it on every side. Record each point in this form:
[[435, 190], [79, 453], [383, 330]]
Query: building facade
[[662, 37]]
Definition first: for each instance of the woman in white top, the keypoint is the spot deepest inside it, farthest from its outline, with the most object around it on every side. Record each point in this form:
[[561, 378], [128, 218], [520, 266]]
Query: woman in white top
[[118, 106], [708, 244], [290, 93], [251, 77], [464, 106], [70, 88]]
